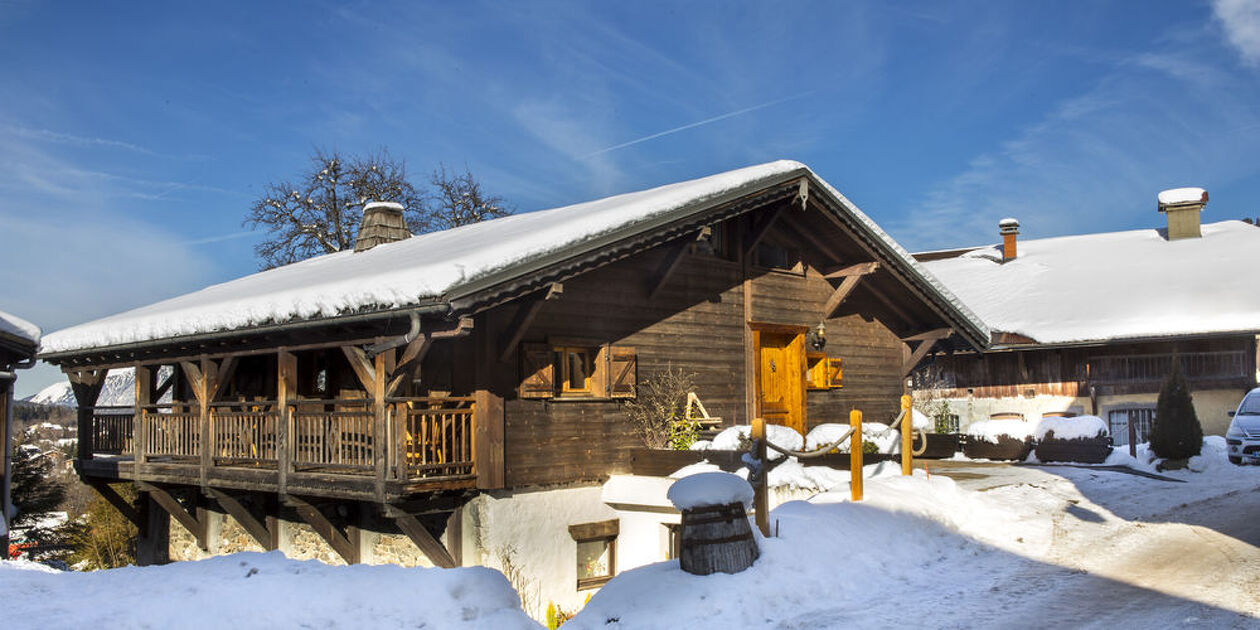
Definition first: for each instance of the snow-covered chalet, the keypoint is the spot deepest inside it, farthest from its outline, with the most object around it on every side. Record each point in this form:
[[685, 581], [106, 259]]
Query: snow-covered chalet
[[457, 398]]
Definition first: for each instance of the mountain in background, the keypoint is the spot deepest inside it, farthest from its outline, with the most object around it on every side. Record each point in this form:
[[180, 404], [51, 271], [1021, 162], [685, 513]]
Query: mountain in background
[[119, 391]]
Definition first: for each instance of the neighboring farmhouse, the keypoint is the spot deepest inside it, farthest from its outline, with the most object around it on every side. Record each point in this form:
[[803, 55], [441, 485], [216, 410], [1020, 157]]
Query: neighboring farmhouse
[[457, 398], [18, 341], [1091, 323]]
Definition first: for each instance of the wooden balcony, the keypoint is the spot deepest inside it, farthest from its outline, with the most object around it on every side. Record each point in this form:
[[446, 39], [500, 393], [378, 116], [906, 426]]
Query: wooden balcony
[[332, 448]]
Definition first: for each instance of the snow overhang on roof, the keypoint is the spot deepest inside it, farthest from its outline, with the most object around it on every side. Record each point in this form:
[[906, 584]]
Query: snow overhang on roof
[[436, 270], [1117, 286], [18, 335]]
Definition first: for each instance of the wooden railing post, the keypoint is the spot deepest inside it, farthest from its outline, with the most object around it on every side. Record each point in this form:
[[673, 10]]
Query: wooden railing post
[[286, 390], [382, 366], [144, 398], [855, 454], [398, 424], [907, 435], [761, 500]]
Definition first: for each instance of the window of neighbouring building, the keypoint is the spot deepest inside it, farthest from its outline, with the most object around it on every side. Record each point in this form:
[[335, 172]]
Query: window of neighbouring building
[[1142, 418]]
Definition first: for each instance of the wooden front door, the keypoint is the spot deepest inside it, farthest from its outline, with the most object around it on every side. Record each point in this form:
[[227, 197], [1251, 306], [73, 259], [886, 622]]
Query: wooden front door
[[780, 378]]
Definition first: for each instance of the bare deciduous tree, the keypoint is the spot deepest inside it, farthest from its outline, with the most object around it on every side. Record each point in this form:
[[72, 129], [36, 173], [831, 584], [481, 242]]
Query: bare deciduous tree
[[319, 213], [459, 200]]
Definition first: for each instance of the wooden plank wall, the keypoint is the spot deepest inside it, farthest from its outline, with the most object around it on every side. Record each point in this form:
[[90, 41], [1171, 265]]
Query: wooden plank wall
[[695, 323]]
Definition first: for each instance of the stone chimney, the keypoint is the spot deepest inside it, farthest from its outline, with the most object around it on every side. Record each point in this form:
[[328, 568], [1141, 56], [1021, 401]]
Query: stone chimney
[[382, 223], [1009, 228], [1182, 207]]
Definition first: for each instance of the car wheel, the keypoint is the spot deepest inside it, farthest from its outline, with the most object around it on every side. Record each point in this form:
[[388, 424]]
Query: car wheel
[[1237, 461]]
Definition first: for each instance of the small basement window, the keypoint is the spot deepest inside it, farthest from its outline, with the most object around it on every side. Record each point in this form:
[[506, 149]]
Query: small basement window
[[596, 552]]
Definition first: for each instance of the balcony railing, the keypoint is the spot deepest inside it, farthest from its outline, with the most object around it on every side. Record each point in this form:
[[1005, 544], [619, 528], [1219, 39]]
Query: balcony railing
[[431, 438]]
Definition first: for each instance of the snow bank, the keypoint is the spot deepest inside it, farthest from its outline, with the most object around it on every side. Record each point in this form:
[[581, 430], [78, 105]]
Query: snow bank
[[708, 489], [1078, 427], [832, 563], [990, 430], [1153, 287], [731, 438], [921, 420], [15, 326], [254, 590]]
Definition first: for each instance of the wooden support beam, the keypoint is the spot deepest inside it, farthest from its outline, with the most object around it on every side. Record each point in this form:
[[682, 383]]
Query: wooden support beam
[[525, 314], [254, 526], [382, 366], [140, 441], [160, 390], [416, 350], [673, 257], [286, 392], [424, 541], [195, 522], [925, 341], [760, 228], [859, 269], [362, 367], [86, 385], [196, 379], [119, 502], [345, 544], [225, 371], [839, 295]]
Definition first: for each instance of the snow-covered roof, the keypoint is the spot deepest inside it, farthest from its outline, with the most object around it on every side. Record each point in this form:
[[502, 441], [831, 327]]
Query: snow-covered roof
[[19, 328], [444, 265], [1114, 286]]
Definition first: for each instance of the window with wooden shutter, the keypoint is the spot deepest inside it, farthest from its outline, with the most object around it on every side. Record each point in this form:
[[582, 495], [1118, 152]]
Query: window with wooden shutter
[[835, 372], [622, 372], [816, 371], [538, 372]]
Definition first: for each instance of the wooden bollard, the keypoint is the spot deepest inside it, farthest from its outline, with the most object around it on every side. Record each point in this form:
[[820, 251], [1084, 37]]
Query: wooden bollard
[[907, 436], [761, 500], [855, 454]]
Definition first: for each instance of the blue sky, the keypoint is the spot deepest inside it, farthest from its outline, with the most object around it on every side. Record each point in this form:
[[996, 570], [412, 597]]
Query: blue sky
[[133, 136]]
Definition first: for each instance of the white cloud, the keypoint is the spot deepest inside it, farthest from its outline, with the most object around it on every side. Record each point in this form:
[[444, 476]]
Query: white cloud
[[1241, 21]]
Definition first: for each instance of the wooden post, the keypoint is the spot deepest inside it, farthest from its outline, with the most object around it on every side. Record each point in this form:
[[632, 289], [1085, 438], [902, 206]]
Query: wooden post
[[855, 454], [383, 365], [907, 435], [761, 502], [144, 396], [286, 391]]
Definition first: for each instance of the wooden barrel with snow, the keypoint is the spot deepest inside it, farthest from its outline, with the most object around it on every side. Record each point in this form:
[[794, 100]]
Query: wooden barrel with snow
[[716, 534]]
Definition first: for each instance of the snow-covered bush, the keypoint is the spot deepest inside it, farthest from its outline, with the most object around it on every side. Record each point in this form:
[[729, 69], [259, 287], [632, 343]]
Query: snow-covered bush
[[1075, 428], [992, 431], [880, 436], [738, 438], [1176, 433]]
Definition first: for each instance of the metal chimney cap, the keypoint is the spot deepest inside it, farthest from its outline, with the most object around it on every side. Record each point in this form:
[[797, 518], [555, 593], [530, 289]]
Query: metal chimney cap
[[1009, 225], [1191, 196]]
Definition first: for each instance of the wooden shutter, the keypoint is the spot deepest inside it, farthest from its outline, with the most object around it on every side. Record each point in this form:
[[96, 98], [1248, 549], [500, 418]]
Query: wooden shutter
[[622, 372], [835, 372], [818, 371], [538, 373]]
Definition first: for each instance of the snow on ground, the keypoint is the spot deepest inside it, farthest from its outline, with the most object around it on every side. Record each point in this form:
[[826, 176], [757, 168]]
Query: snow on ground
[[1001, 546], [254, 590]]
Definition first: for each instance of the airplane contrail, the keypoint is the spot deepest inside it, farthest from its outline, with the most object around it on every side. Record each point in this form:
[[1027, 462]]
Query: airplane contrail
[[693, 125]]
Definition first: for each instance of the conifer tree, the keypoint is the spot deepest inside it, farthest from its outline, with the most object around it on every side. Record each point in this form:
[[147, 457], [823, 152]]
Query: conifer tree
[[1177, 433]]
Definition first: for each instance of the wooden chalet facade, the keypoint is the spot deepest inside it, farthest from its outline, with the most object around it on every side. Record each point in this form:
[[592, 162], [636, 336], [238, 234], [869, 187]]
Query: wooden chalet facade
[[1092, 324], [420, 421], [18, 342]]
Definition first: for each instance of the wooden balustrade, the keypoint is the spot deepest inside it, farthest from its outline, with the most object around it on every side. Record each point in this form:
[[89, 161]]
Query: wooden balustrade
[[434, 436], [427, 438], [113, 430], [244, 434], [171, 431], [338, 440]]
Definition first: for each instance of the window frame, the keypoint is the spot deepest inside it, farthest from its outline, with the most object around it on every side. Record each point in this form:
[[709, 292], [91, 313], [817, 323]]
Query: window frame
[[602, 531]]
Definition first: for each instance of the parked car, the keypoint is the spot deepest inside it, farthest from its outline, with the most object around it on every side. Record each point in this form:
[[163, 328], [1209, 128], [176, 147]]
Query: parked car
[[1243, 436]]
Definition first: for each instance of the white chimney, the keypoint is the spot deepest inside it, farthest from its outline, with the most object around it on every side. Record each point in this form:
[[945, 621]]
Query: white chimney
[[1182, 207]]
